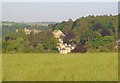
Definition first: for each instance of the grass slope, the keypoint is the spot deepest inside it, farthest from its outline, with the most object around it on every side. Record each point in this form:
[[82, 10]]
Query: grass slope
[[83, 67]]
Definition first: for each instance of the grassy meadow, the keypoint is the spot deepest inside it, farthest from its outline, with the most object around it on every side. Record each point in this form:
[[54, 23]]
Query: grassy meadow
[[59, 67], [0, 67]]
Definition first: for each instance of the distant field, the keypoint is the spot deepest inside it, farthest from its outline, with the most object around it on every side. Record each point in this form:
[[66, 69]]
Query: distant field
[[75, 67]]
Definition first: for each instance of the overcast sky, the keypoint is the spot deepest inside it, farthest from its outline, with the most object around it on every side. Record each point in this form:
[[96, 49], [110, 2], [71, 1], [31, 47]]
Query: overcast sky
[[59, 0], [54, 11]]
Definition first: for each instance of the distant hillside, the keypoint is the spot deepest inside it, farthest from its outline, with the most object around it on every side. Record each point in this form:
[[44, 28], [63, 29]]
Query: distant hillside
[[11, 27]]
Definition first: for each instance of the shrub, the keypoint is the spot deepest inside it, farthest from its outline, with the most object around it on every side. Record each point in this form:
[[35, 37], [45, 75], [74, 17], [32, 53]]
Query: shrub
[[80, 48]]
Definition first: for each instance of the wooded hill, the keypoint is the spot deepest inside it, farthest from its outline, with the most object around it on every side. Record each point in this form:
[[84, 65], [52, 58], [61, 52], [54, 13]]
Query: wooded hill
[[96, 33]]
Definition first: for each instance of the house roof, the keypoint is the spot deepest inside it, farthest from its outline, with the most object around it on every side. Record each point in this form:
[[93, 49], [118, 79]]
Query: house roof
[[58, 33]]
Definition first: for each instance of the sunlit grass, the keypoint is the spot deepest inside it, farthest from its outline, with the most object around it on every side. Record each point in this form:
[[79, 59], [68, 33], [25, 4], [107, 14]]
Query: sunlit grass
[[85, 67], [0, 66]]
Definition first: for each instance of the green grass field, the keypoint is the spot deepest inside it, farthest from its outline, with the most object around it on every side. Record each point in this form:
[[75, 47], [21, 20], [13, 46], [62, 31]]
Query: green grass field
[[0, 66], [58, 67]]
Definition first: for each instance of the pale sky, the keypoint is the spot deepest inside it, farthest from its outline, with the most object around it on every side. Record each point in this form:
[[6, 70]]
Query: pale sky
[[59, 0], [54, 11]]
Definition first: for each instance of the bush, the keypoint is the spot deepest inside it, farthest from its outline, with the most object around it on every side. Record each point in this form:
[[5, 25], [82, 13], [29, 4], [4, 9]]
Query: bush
[[79, 48], [104, 49]]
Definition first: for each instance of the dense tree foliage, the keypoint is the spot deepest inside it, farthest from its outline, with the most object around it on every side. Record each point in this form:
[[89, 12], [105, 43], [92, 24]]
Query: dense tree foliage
[[90, 30], [91, 33], [69, 36], [40, 42]]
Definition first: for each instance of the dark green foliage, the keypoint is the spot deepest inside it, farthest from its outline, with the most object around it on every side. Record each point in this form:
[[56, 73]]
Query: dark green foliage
[[89, 30], [96, 33], [104, 43], [88, 35], [12, 46], [40, 42], [63, 26]]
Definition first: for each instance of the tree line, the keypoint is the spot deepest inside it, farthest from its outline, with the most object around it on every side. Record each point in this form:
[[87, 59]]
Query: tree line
[[94, 33]]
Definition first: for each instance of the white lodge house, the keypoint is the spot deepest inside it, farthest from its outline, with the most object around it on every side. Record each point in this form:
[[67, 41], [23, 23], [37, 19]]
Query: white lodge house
[[62, 47]]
